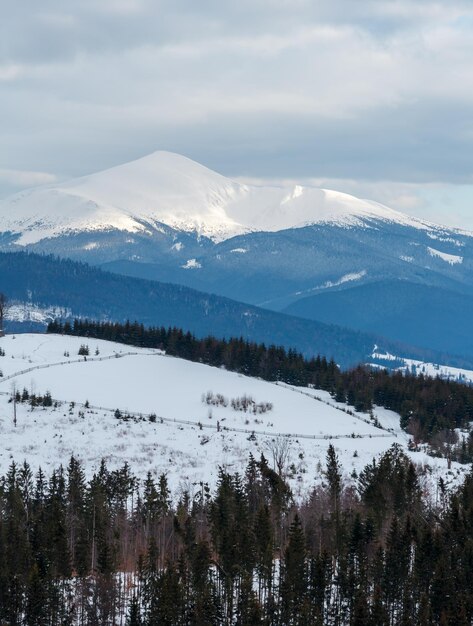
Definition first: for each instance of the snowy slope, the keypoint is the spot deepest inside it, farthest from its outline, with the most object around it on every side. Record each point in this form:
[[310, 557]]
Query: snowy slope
[[189, 438], [446, 372], [166, 188]]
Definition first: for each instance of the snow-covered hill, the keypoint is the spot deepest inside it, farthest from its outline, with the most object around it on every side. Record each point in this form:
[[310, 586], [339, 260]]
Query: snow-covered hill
[[166, 188], [189, 438]]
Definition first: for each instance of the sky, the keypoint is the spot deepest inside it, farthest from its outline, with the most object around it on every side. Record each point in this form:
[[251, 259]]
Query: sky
[[371, 97]]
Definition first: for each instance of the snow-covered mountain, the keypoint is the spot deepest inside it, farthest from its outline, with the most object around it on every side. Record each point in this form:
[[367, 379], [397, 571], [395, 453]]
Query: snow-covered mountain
[[159, 428], [167, 218], [168, 189]]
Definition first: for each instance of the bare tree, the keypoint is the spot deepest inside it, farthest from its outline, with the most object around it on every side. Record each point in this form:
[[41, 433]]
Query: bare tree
[[3, 308], [444, 442], [414, 428], [280, 450]]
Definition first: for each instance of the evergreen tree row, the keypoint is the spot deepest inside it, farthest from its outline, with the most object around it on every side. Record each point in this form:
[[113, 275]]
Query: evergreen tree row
[[117, 550]]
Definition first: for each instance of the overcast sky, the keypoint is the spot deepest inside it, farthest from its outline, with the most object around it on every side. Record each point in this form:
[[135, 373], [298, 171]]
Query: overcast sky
[[370, 97]]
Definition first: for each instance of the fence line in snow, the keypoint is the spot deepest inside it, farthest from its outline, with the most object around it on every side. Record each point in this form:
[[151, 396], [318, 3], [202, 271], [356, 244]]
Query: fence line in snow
[[84, 359], [199, 424], [279, 383]]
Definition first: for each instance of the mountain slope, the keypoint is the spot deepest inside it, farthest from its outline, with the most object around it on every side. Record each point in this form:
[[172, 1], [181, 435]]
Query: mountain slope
[[427, 316], [168, 218], [275, 269]]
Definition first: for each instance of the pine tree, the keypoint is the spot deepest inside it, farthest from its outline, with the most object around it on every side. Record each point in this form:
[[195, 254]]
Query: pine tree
[[333, 475], [334, 478], [248, 609], [134, 613], [36, 598], [294, 576], [264, 544]]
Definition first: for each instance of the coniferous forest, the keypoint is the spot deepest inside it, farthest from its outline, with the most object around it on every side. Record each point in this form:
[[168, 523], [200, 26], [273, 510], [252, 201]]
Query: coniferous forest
[[377, 551]]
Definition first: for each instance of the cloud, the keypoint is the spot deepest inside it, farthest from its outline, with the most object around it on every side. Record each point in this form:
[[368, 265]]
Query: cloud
[[374, 91], [22, 179], [56, 32], [447, 204]]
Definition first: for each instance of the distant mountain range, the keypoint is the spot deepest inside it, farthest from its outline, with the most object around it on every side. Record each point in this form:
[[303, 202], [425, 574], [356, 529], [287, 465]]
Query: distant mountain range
[[43, 288], [310, 252]]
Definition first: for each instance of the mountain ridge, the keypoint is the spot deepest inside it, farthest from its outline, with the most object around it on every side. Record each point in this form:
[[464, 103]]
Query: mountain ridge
[[168, 189]]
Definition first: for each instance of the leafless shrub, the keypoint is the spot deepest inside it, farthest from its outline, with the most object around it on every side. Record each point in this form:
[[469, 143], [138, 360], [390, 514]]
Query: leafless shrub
[[244, 403], [280, 450]]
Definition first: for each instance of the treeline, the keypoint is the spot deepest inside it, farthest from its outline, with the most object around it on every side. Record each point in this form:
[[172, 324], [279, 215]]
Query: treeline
[[116, 550], [32, 399], [429, 407]]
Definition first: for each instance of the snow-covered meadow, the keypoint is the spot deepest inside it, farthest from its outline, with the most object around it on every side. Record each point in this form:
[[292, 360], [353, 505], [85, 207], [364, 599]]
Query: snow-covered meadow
[[185, 437]]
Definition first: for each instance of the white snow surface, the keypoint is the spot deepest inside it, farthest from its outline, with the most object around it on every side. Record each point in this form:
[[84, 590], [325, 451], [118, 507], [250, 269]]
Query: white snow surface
[[184, 442], [446, 372], [167, 188], [452, 259], [445, 237], [29, 312], [192, 264], [347, 278]]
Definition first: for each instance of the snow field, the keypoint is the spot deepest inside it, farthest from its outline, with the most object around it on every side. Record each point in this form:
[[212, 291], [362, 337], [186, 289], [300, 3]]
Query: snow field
[[202, 437]]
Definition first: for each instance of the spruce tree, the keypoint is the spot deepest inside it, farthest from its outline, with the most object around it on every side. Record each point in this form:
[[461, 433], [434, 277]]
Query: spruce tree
[[294, 575], [134, 613]]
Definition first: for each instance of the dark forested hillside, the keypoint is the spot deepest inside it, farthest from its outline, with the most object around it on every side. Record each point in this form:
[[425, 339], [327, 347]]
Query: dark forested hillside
[[112, 549], [433, 317], [90, 292]]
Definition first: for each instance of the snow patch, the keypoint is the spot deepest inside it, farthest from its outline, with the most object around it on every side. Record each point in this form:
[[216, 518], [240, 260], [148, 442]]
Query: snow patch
[[452, 259], [347, 278], [191, 264], [353, 276], [446, 239], [27, 312]]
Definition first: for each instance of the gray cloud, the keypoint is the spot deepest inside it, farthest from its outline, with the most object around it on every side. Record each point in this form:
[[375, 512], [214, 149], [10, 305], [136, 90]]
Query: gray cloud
[[371, 91], [38, 32]]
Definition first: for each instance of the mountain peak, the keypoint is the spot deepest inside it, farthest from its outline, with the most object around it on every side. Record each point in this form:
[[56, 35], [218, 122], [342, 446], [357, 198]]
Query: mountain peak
[[171, 189]]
